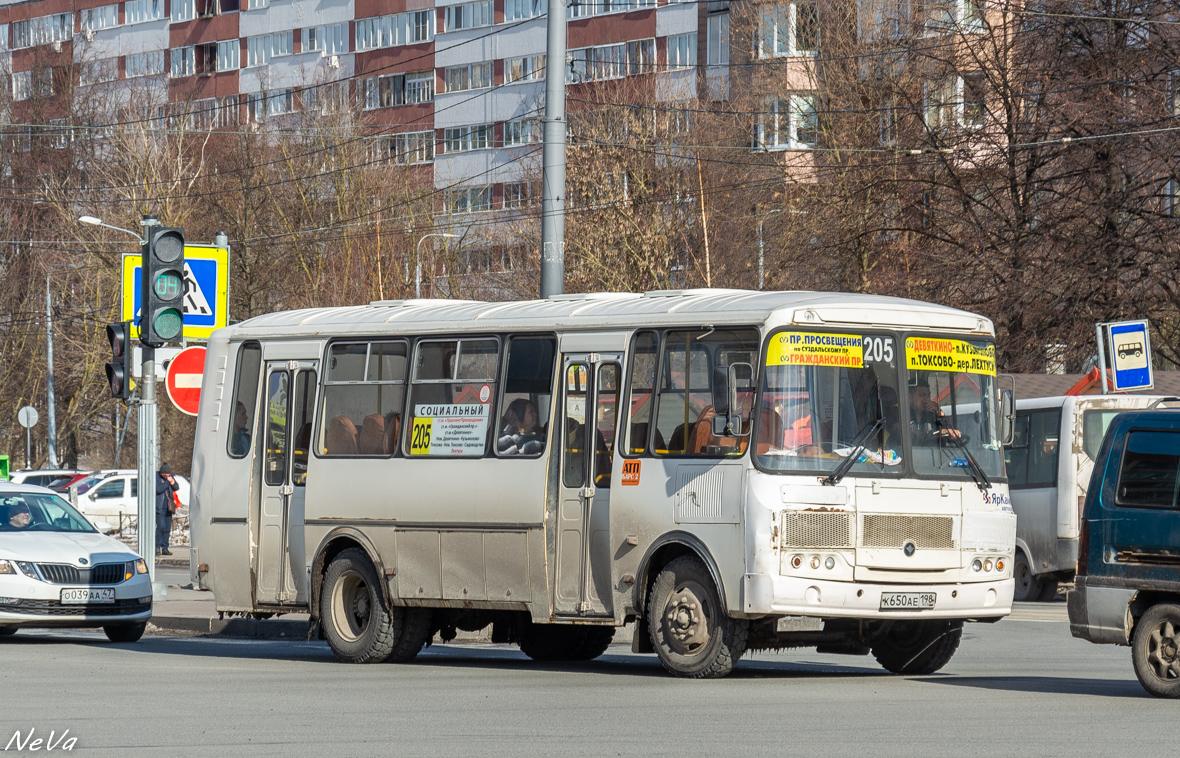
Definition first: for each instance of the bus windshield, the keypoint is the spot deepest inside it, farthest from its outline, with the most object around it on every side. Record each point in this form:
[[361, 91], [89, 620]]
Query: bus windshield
[[824, 395], [951, 401]]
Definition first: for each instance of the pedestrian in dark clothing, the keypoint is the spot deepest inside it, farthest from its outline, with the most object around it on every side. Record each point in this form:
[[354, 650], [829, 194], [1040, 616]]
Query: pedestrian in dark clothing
[[165, 507]]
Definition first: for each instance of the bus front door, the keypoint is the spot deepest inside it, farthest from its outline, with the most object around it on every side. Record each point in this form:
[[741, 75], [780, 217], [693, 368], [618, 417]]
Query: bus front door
[[590, 400], [280, 576]]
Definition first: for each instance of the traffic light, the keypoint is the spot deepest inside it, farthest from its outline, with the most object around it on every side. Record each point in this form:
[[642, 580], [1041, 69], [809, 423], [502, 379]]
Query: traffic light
[[162, 290], [119, 368]]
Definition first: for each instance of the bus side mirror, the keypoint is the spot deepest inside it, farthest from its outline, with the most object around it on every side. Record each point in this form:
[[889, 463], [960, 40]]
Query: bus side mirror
[[727, 422], [1007, 417]]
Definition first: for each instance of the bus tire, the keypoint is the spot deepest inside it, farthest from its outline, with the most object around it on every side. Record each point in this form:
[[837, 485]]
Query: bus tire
[[552, 642], [413, 631], [595, 641], [356, 623], [1028, 588], [917, 648], [1155, 650], [125, 632], [7, 631], [689, 628]]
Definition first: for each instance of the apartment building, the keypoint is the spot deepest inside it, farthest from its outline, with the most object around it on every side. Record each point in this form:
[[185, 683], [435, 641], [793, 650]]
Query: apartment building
[[456, 88]]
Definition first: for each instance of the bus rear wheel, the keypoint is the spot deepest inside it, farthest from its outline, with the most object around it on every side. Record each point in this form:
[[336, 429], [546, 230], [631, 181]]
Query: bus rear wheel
[[917, 648], [690, 631], [357, 625]]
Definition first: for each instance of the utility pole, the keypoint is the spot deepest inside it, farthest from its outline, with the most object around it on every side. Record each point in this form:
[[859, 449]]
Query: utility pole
[[553, 157], [51, 415]]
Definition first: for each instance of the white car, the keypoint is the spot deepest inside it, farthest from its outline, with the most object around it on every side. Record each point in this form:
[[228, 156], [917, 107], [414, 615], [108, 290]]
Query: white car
[[39, 477], [56, 570], [117, 494]]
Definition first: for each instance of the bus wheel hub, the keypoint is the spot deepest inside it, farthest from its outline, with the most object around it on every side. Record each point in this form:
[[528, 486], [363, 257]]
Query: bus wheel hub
[[686, 622]]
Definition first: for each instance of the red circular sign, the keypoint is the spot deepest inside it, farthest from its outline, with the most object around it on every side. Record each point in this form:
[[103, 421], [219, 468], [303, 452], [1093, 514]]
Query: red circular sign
[[184, 379]]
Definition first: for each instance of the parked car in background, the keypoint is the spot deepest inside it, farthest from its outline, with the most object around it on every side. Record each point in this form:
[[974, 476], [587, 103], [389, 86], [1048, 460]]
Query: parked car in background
[[1127, 589], [111, 496], [1049, 464], [56, 570], [63, 483], [39, 477]]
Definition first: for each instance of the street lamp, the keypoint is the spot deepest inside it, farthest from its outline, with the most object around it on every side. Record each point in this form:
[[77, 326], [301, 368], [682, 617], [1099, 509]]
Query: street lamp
[[762, 247], [98, 222], [418, 261]]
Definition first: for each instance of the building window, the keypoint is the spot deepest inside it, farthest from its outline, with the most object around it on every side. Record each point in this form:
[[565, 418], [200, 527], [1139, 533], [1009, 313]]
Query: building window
[[788, 123], [584, 8], [518, 194], [1172, 197], [613, 61], [940, 102], [96, 72], [183, 10], [521, 132], [974, 100], [396, 29], [788, 28], [211, 113], [468, 199], [329, 40], [102, 17], [406, 149], [43, 30], [184, 62], [139, 11], [460, 139], [887, 122], [516, 10], [260, 49], [256, 5], [262, 105], [528, 68], [398, 89], [283, 43], [718, 39], [228, 55], [145, 64], [22, 85], [468, 15], [682, 51], [470, 76]]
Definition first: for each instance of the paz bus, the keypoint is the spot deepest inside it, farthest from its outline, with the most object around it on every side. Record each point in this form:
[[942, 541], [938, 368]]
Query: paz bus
[[728, 470]]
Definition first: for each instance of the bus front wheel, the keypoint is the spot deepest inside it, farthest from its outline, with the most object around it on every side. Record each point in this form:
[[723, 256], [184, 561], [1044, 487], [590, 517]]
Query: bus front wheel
[[917, 648], [356, 622], [690, 630], [1028, 587]]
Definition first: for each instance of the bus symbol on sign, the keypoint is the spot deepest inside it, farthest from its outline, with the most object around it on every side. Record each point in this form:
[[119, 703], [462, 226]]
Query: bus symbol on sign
[[630, 472]]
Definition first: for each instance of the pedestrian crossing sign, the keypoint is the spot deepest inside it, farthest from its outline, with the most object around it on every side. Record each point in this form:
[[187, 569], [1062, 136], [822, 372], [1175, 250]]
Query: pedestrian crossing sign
[[206, 299]]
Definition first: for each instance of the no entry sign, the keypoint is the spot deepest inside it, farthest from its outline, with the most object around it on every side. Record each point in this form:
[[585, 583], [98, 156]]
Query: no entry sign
[[184, 379]]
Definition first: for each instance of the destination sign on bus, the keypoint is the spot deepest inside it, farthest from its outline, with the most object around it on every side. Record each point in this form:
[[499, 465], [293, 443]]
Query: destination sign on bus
[[940, 354], [816, 349], [442, 429]]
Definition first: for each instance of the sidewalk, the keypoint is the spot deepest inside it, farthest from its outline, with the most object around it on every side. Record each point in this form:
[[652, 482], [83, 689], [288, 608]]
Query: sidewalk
[[194, 611]]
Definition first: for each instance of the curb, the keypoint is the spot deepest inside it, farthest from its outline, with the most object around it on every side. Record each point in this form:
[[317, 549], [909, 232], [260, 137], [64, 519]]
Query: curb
[[233, 627]]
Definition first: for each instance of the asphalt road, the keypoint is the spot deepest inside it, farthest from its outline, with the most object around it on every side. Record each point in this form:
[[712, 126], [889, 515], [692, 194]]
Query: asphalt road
[[1014, 688]]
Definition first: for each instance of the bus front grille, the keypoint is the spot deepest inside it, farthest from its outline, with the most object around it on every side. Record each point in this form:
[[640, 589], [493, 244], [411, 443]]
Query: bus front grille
[[890, 531], [816, 529]]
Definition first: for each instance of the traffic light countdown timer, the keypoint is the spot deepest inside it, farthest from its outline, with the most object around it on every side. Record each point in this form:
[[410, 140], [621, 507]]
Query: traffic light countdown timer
[[119, 367], [163, 286]]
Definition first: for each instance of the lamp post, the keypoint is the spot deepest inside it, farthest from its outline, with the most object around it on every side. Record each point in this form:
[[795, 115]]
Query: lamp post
[[51, 410], [418, 261], [762, 247]]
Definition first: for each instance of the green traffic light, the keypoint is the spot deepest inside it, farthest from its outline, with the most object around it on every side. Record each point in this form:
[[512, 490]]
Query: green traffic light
[[168, 323]]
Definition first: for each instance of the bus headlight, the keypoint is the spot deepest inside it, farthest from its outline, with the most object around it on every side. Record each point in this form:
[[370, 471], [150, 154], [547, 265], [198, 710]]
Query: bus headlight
[[815, 561], [976, 565], [830, 563], [987, 565], [796, 561]]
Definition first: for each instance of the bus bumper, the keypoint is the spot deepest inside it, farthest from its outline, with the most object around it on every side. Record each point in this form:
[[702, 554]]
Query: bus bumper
[[768, 595]]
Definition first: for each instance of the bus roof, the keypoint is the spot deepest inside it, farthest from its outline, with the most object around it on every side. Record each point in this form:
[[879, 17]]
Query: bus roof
[[616, 310]]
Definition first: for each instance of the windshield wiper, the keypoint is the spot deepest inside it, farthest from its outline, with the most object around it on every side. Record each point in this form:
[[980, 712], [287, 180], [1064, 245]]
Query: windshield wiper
[[973, 467], [859, 446]]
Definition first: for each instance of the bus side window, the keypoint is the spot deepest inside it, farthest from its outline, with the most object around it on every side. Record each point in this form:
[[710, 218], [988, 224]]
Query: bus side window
[[247, 372], [1016, 454], [302, 410], [639, 392], [1043, 442], [606, 413], [526, 402], [364, 390], [451, 403]]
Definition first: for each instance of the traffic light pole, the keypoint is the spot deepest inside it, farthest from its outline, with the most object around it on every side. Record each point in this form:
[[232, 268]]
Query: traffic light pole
[[148, 448]]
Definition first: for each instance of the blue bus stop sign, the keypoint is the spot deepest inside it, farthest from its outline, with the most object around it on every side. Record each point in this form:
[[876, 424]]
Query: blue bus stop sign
[[1130, 356]]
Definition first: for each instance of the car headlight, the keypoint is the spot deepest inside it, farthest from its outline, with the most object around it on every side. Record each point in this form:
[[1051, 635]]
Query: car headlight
[[6, 567], [140, 566], [28, 570]]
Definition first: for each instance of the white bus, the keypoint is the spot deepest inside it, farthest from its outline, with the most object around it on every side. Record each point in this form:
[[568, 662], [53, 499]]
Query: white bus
[[730, 470]]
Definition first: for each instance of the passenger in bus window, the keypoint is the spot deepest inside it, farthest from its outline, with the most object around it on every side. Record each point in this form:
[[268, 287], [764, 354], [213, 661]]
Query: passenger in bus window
[[926, 416], [240, 437], [521, 432]]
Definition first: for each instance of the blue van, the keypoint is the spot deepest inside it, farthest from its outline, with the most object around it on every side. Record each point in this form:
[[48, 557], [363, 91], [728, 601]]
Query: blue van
[[1127, 590]]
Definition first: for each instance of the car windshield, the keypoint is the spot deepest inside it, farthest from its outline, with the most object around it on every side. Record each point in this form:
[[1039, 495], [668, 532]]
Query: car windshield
[[37, 512], [951, 399], [825, 395]]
